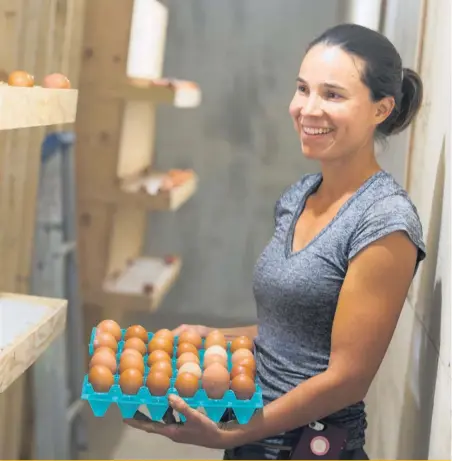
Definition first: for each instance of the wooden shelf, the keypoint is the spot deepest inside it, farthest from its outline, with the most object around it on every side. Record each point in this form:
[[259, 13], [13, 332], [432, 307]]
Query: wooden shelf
[[141, 286], [179, 93], [28, 325], [145, 191], [29, 107]]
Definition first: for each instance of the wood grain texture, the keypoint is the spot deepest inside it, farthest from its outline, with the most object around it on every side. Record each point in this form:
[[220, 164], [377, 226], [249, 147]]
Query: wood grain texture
[[35, 322]]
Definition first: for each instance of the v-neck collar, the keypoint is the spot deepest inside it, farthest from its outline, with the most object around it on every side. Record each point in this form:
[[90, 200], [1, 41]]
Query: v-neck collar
[[300, 208]]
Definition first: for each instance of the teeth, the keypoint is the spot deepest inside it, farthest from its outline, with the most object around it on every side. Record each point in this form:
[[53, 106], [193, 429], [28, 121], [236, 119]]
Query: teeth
[[308, 130]]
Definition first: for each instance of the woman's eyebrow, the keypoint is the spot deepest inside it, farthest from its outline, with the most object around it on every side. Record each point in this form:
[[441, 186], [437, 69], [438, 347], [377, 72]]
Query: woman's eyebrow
[[330, 85]]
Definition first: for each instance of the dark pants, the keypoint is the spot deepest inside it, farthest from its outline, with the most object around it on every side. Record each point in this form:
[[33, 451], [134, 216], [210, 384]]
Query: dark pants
[[261, 452]]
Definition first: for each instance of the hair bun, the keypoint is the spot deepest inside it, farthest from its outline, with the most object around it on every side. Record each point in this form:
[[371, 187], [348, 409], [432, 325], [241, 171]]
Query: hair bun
[[410, 103]]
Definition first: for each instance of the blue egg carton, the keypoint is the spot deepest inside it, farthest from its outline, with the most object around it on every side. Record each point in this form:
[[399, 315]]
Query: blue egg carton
[[157, 406]]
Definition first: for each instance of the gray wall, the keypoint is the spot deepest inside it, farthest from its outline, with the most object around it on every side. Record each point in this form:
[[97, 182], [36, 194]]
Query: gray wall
[[245, 54]]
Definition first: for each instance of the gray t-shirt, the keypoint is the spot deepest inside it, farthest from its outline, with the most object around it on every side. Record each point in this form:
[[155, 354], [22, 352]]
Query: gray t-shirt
[[296, 293]]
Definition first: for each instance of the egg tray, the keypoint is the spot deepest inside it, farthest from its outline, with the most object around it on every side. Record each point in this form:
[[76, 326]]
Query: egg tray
[[158, 405]]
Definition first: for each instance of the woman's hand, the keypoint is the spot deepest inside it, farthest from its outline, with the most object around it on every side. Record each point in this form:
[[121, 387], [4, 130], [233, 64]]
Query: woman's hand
[[197, 430], [200, 329]]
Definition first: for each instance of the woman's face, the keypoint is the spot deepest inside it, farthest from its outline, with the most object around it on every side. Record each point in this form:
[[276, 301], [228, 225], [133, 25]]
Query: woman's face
[[332, 110]]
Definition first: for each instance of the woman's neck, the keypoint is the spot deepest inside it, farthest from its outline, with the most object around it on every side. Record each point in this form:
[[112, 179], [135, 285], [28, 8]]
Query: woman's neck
[[339, 178]]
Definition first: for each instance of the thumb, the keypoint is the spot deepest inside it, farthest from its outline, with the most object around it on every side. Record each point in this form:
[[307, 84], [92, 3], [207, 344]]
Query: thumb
[[178, 404]]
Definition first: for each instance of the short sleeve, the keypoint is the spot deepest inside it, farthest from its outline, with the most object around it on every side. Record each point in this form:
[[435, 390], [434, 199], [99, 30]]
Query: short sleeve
[[390, 214]]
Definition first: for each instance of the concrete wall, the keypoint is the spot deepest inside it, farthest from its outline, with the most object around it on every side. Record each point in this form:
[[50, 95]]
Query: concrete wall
[[245, 55], [409, 405]]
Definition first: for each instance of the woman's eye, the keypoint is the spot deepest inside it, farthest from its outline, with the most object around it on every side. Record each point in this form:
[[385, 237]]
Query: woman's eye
[[302, 88], [332, 95]]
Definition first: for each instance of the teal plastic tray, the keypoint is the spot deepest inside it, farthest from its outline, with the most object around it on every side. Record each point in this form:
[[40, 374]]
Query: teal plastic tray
[[157, 406]]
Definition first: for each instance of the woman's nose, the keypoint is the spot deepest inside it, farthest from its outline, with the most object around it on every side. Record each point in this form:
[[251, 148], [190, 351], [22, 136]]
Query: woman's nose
[[311, 105]]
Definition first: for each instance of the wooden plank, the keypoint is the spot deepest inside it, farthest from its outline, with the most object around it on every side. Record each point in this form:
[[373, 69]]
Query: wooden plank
[[143, 192], [28, 325], [30, 107]]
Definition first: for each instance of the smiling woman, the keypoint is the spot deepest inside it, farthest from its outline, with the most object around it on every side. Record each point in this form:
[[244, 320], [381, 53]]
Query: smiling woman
[[332, 281]]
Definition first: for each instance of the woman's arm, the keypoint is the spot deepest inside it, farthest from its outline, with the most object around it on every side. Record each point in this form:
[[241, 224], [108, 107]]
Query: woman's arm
[[231, 333], [369, 306]]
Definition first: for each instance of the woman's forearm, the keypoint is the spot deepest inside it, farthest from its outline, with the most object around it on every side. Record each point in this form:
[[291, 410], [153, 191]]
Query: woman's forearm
[[231, 333], [310, 401]]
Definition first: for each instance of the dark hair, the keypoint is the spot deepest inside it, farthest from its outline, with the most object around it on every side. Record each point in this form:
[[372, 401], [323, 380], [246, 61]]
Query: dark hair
[[383, 73]]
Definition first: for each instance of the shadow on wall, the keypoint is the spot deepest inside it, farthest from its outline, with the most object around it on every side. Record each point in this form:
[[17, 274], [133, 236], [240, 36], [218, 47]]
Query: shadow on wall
[[417, 411]]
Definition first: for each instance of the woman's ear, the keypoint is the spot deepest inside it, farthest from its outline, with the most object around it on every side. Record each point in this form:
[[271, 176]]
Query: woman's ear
[[383, 109]]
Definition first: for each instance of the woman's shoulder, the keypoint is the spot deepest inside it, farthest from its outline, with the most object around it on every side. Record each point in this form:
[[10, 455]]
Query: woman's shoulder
[[297, 189]]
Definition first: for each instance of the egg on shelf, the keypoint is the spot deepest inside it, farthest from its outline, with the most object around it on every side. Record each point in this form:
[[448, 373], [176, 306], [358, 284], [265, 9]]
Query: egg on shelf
[[191, 367], [243, 387], [186, 384], [112, 327], [135, 343], [136, 331], [104, 356], [157, 356], [215, 381], [131, 361], [158, 383], [241, 354], [242, 342], [101, 378], [105, 339], [160, 344], [130, 381], [185, 358], [163, 366], [215, 338], [186, 347], [191, 336]]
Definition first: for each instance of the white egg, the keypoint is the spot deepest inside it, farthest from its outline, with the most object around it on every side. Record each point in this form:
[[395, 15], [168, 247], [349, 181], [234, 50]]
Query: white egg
[[191, 367], [216, 350]]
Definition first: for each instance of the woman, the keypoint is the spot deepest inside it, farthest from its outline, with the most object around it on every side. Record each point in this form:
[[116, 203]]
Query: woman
[[332, 281]]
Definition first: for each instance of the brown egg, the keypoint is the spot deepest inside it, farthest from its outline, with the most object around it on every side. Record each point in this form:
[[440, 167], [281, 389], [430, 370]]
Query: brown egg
[[105, 349], [241, 370], [131, 361], [192, 337], [186, 357], [192, 368], [104, 356], [160, 344], [157, 356], [249, 363], [101, 378], [104, 339], [158, 383], [112, 327], [136, 331], [215, 358], [241, 354], [165, 334], [164, 366], [135, 343], [215, 338], [130, 381], [241, 342], [243, 387], [186, 347], [131, 351], [216, 350], [186, 384], [215, 381]]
